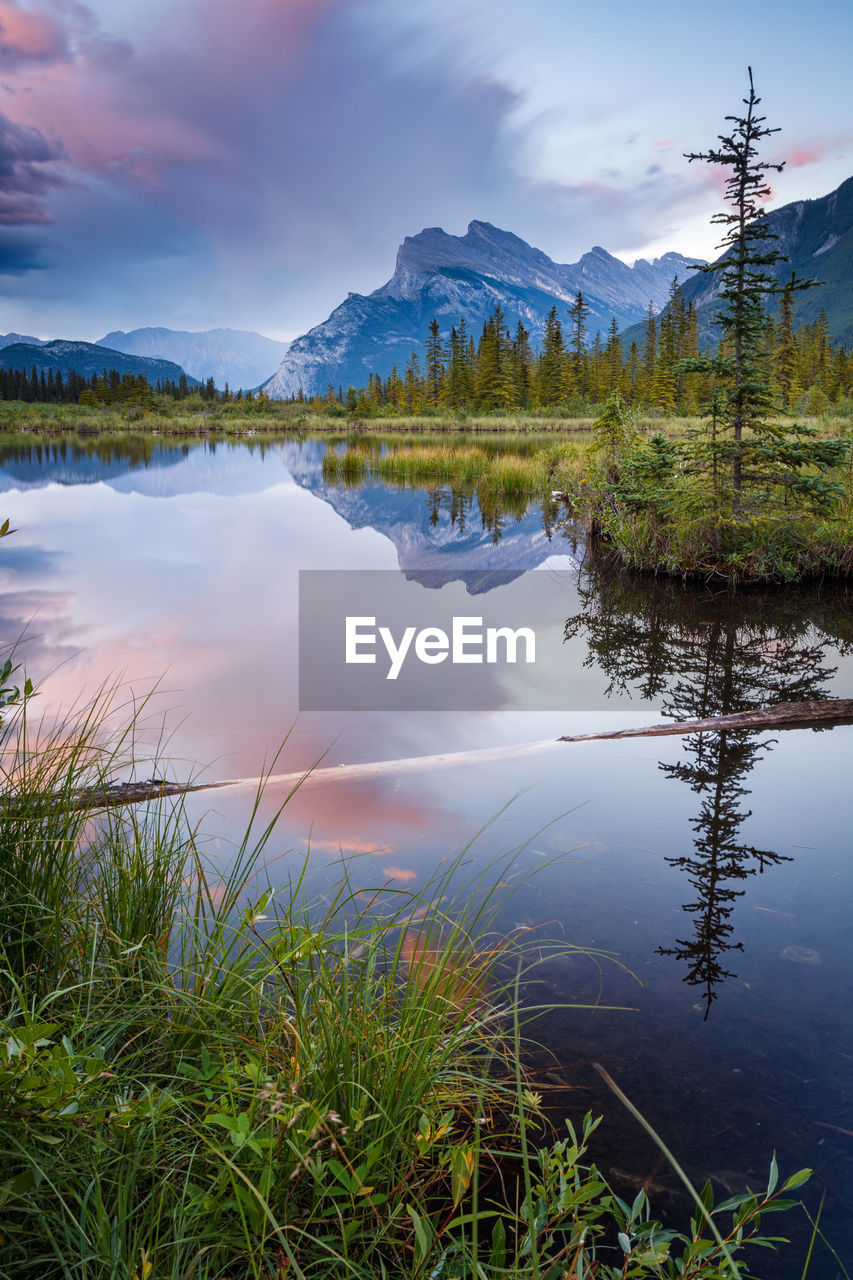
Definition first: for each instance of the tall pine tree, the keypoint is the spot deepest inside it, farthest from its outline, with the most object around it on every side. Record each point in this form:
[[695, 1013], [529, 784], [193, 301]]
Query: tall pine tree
[[751, 456]]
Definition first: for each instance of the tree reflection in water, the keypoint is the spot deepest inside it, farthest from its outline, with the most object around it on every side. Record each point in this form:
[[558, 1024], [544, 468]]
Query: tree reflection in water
[[709, 654]]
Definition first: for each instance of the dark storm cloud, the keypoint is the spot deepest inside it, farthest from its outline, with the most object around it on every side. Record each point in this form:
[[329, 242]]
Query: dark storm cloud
[[249, 164], [267, 160], [24, 182], [307, 124], [19, 253]]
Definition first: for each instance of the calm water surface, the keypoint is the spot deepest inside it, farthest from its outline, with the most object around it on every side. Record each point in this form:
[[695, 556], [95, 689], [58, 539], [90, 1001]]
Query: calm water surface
[[716, 869]]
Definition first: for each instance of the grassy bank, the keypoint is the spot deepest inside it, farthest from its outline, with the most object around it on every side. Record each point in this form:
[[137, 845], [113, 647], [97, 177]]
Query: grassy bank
[[666, 503], [201, 1078], [646, 493], [503, 475], [185, 420]]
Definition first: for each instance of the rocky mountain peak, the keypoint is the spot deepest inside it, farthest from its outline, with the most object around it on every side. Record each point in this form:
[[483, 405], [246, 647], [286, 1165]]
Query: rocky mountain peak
[[438, 275]]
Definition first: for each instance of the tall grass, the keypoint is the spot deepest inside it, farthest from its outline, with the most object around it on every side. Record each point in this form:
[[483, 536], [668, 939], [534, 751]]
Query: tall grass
[[508, 471], [197, 418], [200, 1077]]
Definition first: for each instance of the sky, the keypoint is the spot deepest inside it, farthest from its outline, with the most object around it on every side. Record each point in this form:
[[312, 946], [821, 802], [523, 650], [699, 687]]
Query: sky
[[206, 163]]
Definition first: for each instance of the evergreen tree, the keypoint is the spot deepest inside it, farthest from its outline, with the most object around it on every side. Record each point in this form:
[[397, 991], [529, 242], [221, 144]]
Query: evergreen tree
[[613, 357], [786, 356], [633, 375], [413, 385], [551, 361], [521, 365], [494, 380], [578, 314], [650, 355], [434, 364], [395, 388], [757, 454]]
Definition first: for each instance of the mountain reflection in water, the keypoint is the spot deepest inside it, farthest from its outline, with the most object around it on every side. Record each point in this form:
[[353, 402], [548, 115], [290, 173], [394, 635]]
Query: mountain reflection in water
[[152, 556]]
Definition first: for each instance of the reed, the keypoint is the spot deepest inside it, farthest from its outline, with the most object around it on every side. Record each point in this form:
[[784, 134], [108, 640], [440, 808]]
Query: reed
[[494, 470], [203, 1077]]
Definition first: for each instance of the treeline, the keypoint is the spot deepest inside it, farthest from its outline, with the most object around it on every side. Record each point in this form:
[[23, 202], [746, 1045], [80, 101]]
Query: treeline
[[501, 370], [44, 386]]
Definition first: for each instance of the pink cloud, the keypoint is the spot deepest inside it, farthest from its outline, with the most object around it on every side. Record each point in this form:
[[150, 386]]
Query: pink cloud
[[795, 156], [804, 156], [27, 36], [127, 112], [714, 177], [406, 874], [267, 29]]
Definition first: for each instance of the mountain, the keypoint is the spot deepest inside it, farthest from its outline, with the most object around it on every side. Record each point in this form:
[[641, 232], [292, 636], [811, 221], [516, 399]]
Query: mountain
[[22, 467], [432, 548], [137, 464], [817, 237], [85, 358], [236, 356], [448, 277], [8, 339]]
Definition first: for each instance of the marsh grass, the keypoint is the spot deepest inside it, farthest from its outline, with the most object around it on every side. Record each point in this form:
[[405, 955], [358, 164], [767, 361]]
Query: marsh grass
[[201, 1077], [511, 471], [196, 419], [682, 537], [660, 507]]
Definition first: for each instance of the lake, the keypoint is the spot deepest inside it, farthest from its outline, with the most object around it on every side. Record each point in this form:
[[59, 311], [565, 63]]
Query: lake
[[714, 870]]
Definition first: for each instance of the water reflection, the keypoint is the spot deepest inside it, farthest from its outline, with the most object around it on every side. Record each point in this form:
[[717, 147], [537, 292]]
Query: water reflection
[[413, 465], [188, 560], [702, 654]]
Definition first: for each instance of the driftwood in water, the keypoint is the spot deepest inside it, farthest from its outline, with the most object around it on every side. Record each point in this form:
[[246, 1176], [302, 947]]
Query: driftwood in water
[[786, 715]]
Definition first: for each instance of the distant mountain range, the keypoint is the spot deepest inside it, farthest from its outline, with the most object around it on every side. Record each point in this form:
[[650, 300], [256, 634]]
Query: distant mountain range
[[85, 358], [453, 277], [12, 339], [448, 277], [817, 237], [235, 356], [242, 359]]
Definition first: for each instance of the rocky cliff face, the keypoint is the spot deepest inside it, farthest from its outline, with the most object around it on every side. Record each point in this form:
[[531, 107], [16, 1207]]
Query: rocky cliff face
[[454, 277]]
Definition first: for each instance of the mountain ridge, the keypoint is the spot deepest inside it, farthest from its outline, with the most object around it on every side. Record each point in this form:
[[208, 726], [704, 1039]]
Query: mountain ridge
[[817, 237], [451, 277], [86, 358], [239, 357], [15, 339]]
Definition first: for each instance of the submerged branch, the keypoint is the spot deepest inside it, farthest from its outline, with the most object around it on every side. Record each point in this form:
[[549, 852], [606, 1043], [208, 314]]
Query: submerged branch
[[785, 715]]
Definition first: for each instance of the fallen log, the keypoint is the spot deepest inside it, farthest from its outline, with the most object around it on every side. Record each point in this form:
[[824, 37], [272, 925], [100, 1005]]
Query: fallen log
[[785, 715]]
